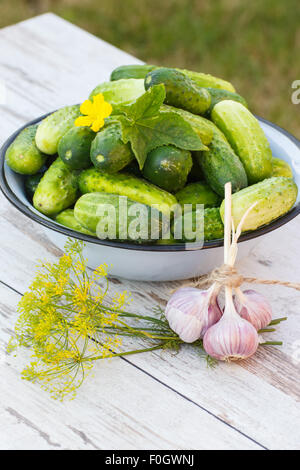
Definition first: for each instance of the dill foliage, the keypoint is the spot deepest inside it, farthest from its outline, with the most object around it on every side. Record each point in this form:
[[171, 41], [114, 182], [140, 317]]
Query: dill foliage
[[69, 322]]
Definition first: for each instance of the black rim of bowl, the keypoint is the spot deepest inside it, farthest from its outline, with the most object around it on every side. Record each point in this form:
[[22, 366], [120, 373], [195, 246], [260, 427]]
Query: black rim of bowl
[[5, 188]]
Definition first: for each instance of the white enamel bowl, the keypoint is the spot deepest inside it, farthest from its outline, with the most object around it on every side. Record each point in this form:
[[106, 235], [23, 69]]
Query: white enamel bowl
[[150, 262]]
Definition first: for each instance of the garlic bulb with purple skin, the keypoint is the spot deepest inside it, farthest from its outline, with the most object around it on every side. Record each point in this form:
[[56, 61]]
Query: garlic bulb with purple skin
[[191, 311], [253, 307], [232, 338]]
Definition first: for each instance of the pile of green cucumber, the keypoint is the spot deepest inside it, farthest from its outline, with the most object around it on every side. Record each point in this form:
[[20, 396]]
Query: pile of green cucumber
[[68, 170]]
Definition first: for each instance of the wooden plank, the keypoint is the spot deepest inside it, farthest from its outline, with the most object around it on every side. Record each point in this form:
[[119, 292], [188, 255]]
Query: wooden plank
[[120, 408], [48, 63], [244, 396]]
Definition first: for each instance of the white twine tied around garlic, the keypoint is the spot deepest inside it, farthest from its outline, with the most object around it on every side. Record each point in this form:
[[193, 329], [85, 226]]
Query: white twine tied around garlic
[[195, 314]]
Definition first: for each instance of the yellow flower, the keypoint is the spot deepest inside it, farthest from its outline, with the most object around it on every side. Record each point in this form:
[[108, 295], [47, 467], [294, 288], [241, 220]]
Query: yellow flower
[[65, 261], [101, 271], [95, 112], [81, 294]]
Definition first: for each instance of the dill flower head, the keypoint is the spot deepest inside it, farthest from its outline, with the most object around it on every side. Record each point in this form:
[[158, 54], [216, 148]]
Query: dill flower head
[[63, 318], [69, 322]]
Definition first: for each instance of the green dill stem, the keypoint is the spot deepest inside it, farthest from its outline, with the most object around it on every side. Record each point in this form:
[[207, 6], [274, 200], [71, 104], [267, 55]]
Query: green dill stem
[[134, 315], [136, 328], [136, 334], [141, 332], [148, 335], [126, 353]]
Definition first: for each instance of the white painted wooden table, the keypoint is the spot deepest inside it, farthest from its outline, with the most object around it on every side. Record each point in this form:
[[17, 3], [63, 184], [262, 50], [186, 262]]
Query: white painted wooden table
[[153, 401]]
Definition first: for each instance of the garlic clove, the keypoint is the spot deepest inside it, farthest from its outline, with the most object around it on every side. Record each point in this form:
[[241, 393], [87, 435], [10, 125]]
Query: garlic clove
[[253, 307], [231, 339], [190, 312]]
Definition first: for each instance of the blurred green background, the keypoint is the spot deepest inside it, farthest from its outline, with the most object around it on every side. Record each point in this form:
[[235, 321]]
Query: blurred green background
[[255, 44]]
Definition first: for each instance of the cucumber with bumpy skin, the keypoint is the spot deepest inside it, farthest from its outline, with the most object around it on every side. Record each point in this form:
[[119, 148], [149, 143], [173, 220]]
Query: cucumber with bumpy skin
[[74, 147], [198, 193], [67, 219], [207, 80], [57, 190], [120, 92], [23, 156], [274, 196], [246, 137], [201, 79], [168, 167], [218, 95], [108, 151], [203, 127], [131, 71], [123, 184], [220, 164], [53, 127], [181, 91], [281, 168], [213, 225], [104, 213]]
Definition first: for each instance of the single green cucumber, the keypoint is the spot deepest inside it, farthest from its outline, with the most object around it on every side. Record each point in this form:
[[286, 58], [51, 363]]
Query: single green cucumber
[[57, 190], [104, 213], [198, 193], [207, 80], [120, 92], [246, 137], [131, 71], [181, 91], [108, 151], [23, 156], [203, 127], [53, 127], [74, 147], [32, 181], [123, 184], [67, 219], [213, 225], [168, 167], [220, 165], [281, 168], [140, 71], [218, 95], [274, 196]]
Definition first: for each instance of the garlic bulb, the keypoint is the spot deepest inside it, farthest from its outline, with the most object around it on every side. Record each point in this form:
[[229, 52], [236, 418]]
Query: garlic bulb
[[232, 338], [254, 307], [190, 312]]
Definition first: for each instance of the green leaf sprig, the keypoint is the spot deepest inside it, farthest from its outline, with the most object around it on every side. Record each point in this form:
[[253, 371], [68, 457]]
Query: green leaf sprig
[[146, 128]]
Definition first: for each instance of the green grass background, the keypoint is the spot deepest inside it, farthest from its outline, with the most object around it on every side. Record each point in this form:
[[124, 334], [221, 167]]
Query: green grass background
[[255, 44]]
